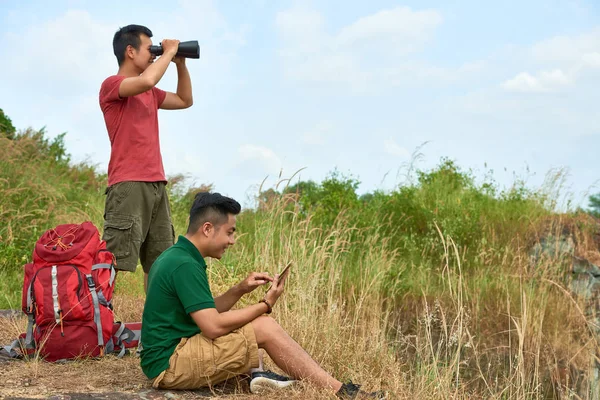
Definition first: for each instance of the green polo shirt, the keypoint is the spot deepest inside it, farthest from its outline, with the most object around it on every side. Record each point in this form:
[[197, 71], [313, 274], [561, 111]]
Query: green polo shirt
[[177, 286]]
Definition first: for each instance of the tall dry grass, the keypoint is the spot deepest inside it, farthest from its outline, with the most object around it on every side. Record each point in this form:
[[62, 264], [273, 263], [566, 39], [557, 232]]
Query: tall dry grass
[[530, 338]]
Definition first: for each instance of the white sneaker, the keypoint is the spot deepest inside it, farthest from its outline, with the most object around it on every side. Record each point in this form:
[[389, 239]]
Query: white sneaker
[[264, 380]]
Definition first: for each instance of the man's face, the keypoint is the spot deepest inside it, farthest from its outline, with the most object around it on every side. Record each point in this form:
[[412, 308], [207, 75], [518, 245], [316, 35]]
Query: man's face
[[222, 237], [142, 57]]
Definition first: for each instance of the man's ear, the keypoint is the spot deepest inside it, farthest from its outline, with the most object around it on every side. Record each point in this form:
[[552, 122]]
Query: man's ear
[[207, 228], [129, 51]]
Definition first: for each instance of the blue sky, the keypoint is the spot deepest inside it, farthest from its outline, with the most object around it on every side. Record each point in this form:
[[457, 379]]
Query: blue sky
[[511, 87]]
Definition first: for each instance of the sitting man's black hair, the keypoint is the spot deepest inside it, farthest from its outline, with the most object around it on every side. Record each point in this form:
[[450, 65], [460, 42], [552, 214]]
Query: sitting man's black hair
[[213, 208]]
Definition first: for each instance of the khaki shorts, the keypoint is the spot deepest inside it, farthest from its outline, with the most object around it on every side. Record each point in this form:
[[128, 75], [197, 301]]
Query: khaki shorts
[[137, 223], [198, 361]]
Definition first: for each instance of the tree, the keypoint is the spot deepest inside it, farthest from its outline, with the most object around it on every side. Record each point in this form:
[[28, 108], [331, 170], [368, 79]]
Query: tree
[[6, 127], [266, 198], [595, 205]]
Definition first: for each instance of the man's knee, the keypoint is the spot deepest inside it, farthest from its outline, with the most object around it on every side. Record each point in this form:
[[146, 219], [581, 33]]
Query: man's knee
[[265, 328], [161, 236]]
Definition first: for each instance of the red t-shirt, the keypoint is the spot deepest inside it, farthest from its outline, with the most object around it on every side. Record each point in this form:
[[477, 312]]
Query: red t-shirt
[[132, 125]]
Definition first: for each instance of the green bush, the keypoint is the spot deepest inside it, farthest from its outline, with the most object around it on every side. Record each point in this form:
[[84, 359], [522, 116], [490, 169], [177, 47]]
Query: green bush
[[6, 127], [40, 189]]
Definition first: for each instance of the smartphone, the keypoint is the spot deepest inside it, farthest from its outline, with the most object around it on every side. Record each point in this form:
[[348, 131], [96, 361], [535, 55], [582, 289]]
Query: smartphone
[[282, 275], [286, 271]]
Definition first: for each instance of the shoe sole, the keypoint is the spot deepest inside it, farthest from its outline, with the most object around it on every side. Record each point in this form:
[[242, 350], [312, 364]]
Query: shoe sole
[[260, 384]]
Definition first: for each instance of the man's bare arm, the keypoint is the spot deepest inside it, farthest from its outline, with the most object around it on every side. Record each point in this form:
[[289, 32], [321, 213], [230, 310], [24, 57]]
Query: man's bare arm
[[214, 324], [228, 299], [152, 75], [183, 98]]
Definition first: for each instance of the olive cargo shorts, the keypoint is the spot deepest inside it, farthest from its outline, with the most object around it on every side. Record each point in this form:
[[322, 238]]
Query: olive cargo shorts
[[198, 361], [137, 223]]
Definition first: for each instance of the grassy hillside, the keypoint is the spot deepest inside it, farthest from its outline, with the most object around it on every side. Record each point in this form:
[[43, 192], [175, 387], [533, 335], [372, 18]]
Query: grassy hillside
[[434, 290]]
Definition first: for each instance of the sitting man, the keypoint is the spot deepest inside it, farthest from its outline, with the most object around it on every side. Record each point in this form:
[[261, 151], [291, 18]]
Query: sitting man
[[193, 340]]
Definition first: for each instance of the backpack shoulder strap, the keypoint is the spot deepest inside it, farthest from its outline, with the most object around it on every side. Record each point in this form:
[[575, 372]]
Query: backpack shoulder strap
[[10, 351]]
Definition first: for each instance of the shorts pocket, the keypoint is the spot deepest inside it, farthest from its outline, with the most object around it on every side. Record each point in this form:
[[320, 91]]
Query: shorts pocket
[[118, 234], [189, 365], [230, 352], [181, 370]]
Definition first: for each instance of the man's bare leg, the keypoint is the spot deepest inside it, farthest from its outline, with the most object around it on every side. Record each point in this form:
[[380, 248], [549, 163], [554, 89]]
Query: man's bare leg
[[289, 356]]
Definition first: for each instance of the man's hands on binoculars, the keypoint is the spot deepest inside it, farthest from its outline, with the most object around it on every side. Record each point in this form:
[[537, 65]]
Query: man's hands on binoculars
[[170, 47], [179, 60]]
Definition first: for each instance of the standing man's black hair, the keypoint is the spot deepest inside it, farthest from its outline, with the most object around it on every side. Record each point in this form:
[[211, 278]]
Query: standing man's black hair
[[128, 36], [213, 208]]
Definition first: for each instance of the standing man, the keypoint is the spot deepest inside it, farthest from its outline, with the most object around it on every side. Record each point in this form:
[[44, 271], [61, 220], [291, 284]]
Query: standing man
[[137, 214]]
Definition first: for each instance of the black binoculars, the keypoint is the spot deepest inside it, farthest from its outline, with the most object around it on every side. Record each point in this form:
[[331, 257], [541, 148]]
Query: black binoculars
[[189, 49]]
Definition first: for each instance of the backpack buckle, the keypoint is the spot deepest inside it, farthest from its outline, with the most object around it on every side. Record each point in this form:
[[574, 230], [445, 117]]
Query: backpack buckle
[[90, 281]]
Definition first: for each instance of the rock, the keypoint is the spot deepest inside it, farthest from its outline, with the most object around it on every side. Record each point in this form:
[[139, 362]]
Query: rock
[[11, 313]]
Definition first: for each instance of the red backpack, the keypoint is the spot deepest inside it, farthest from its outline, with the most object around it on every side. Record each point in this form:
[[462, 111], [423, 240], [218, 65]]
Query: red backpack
[[67, 293]]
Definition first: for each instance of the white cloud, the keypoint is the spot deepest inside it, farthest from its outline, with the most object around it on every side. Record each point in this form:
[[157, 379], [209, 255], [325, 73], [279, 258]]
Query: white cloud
[[566, 49], [266, 158], [359, 54], [562, 75], [392, 147], [319, 134], [591, 60], [545, 81], [473, 66], [196, 169], [303, 29], [563, 61], [399, 30], [413, 73], [62, 55]]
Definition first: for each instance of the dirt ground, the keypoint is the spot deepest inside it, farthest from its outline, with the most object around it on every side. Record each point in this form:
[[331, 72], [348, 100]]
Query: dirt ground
[[106, 378]]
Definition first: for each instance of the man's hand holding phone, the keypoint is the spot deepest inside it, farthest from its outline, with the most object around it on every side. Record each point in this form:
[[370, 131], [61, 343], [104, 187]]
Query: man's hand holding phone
[[277, 287]]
